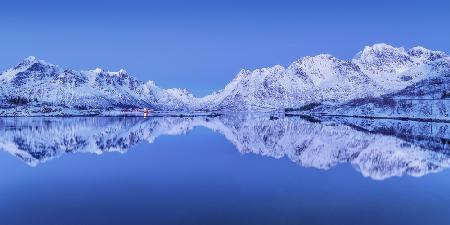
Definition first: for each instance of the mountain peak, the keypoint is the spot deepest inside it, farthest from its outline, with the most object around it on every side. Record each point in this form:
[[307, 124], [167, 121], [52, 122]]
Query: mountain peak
[[383, 59], [97, 70], [119, 73], [26, 64], [381, 47], [30, 59], [380, 51], [420, 52], [29, 63]]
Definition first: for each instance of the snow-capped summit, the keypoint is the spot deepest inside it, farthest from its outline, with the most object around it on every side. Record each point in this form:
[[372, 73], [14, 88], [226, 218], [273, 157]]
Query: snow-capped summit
[[382, 58], [100, 71], [97, 70], [395, 68], [25, 64], [426, 55], [30, 58]]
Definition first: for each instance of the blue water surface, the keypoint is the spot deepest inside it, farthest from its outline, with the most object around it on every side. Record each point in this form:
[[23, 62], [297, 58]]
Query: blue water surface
[[200, 178]]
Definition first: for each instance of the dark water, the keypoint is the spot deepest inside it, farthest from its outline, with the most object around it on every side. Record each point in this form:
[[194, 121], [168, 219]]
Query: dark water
[[240, 169]]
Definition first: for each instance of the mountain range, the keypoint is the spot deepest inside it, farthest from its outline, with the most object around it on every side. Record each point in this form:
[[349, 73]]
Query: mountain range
[[319, 84]]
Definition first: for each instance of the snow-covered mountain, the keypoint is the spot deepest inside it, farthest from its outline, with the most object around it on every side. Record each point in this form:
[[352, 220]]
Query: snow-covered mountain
[[377, 148], [37, 82], [377, 70]]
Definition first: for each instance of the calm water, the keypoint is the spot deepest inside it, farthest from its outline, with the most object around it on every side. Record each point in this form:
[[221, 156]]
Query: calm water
[[241, 169]]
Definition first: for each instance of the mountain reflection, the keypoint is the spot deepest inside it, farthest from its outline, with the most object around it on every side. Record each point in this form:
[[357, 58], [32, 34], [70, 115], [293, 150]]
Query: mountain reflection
[[379, 149]]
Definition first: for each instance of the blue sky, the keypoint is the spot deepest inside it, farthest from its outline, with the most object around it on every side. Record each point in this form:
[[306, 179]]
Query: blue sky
[[201, 45]]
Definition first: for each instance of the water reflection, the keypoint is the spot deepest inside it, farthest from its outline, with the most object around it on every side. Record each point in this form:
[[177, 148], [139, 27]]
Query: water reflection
[[379, 149]]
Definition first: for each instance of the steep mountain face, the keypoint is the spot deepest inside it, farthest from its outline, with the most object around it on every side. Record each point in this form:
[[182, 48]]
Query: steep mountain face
[[377, 70], [37, 82], [379, 149]]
